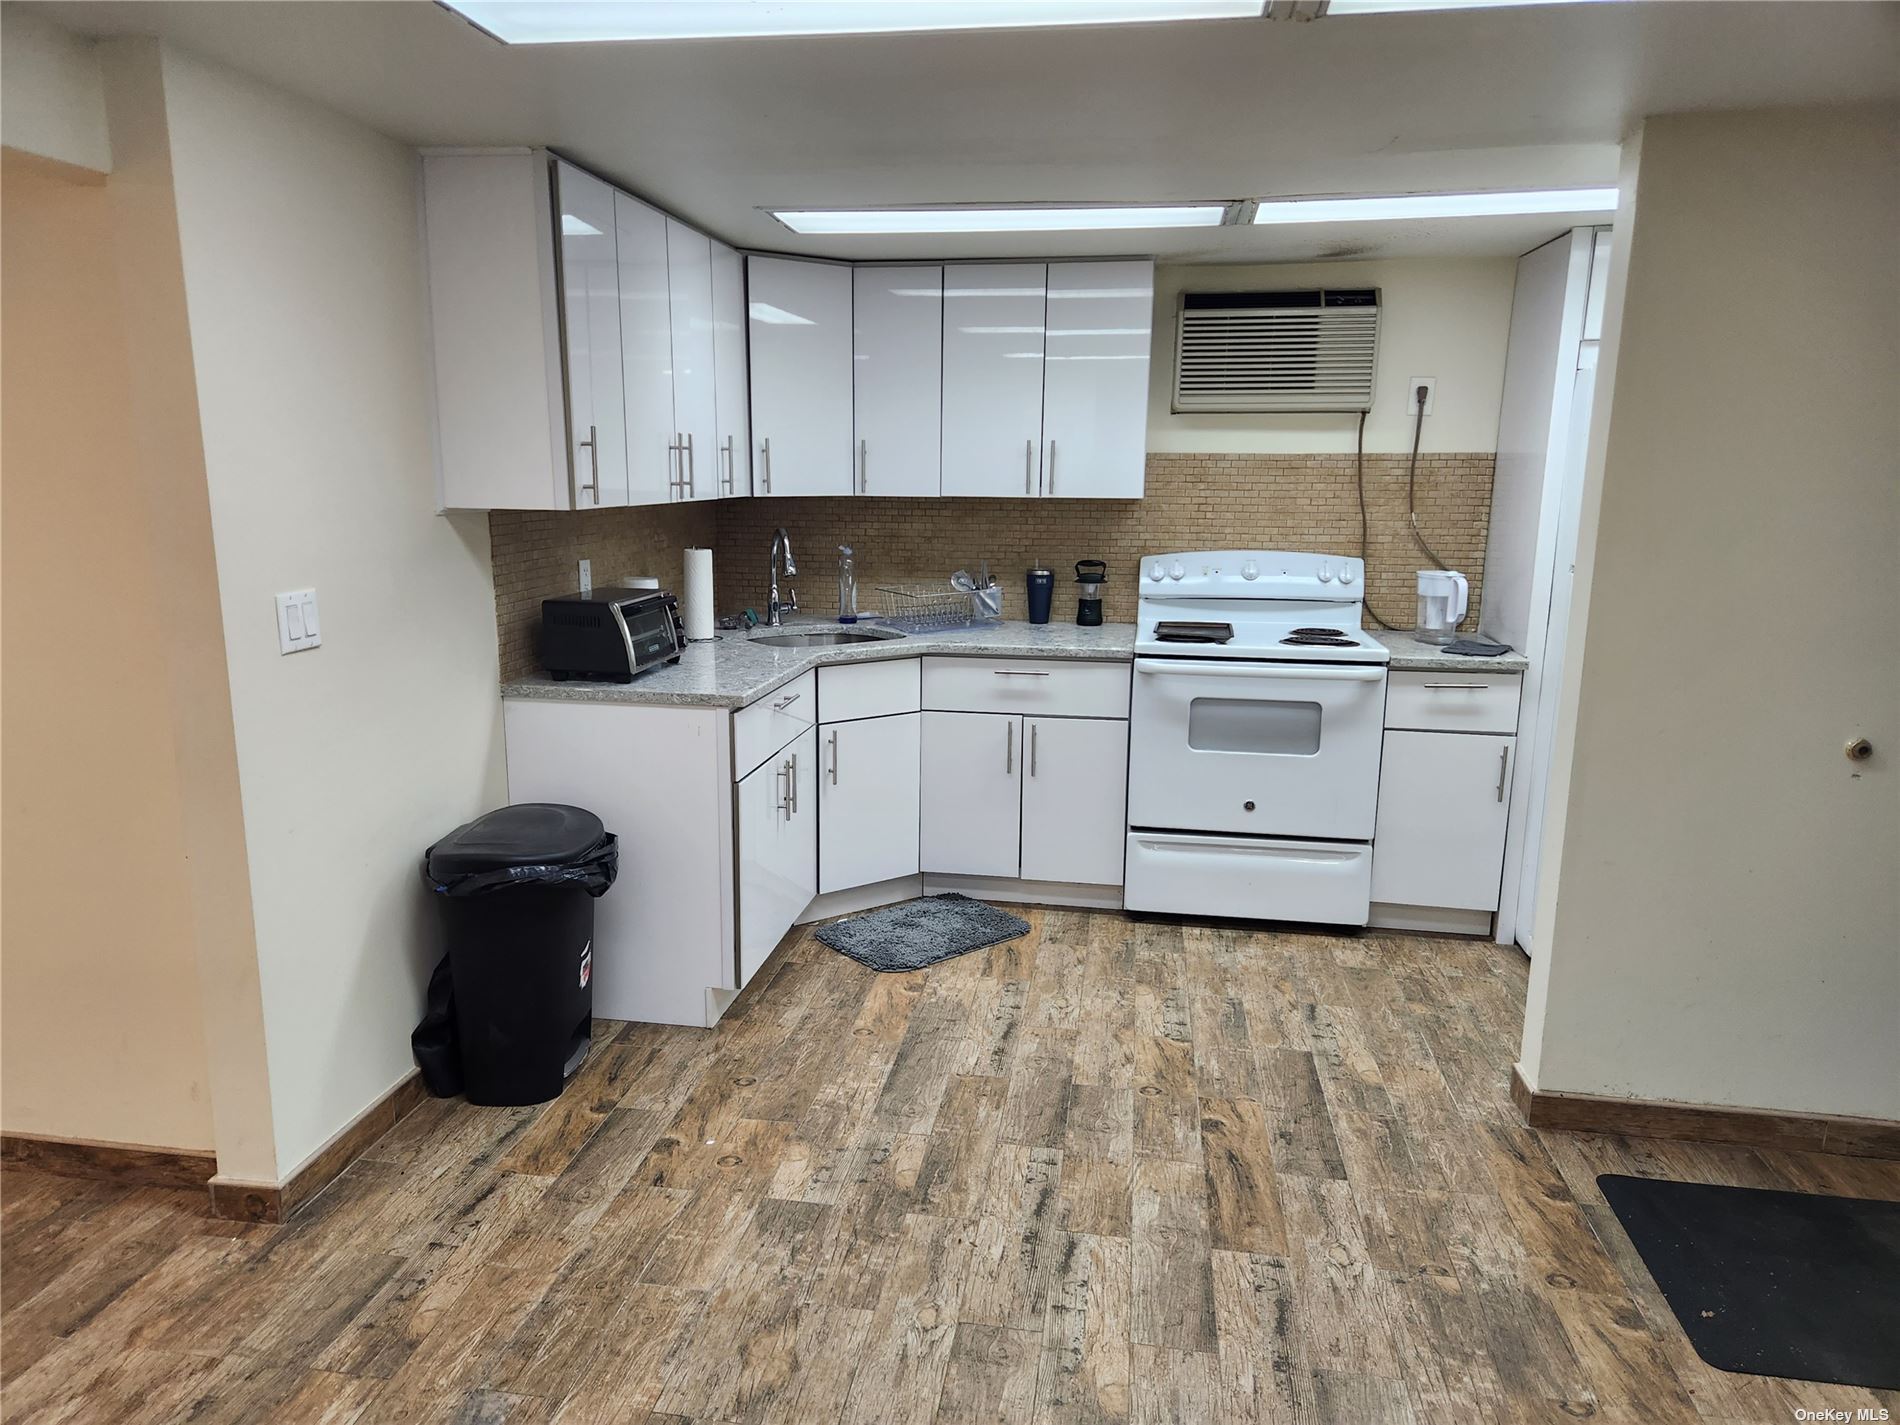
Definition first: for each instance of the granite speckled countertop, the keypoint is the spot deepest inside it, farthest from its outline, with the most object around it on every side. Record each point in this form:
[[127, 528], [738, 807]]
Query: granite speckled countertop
[[734, 671]]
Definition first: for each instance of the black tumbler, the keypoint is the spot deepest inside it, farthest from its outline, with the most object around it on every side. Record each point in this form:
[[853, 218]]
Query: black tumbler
[[1042, 592]]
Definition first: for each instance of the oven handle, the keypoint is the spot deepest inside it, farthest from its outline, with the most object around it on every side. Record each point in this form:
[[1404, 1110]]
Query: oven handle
[[1301, 672]]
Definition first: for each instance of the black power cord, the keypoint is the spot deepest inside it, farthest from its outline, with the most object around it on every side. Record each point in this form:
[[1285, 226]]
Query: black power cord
[[1411, 499]]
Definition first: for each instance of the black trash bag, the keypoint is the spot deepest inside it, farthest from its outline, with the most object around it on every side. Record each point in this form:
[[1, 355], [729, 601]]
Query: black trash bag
[[437, 1049], [593, 871]]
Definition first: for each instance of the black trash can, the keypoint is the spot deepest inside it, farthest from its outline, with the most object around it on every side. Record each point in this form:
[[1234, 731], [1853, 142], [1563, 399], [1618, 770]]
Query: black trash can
[[516, 890]]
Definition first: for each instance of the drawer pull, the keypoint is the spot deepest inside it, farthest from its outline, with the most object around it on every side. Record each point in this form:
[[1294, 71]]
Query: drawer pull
[[1019, 673], [1458, 687], [784, 703]]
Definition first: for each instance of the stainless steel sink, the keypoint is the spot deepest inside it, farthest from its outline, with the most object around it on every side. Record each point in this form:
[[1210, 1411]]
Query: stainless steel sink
[[824, 638]]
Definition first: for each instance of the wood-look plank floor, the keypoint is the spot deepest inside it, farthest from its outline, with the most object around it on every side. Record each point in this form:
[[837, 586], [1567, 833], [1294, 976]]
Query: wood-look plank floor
[[1114, 1171]]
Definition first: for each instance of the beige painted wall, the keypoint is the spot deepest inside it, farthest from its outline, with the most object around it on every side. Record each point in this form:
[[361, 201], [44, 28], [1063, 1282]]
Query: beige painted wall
[[1440, 317], [1722, 921], [52, 96], [102, 1033], [303, 281]]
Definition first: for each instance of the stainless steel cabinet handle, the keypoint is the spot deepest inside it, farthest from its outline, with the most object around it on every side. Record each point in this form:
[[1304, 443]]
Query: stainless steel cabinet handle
[[1009, 747], [1457, 687], [692, 471], [1019, 673], [834, 758], [1050, 470], [732, 465], [593, 460], [785, 797], [1032, 749], [791, 780], [765, 463], [785, 702], [864, 477], [1504, 765], [1029, 467]]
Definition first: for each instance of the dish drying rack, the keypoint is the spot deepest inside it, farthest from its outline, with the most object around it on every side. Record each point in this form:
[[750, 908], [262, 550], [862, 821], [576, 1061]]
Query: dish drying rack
[[929, 608]]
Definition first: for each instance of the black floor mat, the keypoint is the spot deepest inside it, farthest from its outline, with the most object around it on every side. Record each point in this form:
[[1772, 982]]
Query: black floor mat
[[1789, 1284]]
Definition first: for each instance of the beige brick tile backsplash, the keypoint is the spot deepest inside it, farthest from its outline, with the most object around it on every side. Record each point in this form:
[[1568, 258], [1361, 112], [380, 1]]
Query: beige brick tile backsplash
[[1193, 501]]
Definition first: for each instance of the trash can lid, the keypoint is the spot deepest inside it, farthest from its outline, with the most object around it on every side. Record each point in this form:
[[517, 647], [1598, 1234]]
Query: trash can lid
[[531, 834]]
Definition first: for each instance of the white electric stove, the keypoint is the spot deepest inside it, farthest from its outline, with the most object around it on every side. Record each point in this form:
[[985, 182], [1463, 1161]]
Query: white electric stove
[[1254, 737]]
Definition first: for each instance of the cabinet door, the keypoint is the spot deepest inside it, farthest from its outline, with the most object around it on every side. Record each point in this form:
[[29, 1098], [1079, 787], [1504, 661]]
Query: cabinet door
[[1443, 800], [897, 367], [732, 459], [1095, 386], [1075, 799], [690, 298], [778, 846], [972, 799], [868, 794], [646, 351], [799, 329], [590, 301], [992, 378]]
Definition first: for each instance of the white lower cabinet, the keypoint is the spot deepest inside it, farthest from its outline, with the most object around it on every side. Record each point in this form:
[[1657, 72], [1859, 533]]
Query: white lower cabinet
[[972, 794], [868, 795], [1075, 799], [1030, 798], [1443, 802], [778, 848]]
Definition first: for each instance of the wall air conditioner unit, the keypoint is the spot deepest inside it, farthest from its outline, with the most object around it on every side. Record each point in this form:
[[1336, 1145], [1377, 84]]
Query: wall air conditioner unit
[[1276, 351]]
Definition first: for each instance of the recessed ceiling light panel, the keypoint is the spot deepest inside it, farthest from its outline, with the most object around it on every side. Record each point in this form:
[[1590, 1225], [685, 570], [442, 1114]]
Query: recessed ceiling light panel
[[1400, 207], [553, 22], [869, 221]]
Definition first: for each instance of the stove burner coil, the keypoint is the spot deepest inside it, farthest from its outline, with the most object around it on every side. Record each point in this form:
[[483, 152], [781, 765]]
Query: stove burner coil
[[1299, 641], [1318, 633]]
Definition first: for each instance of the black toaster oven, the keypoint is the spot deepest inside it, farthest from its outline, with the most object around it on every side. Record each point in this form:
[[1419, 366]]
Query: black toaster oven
[[610, 635]]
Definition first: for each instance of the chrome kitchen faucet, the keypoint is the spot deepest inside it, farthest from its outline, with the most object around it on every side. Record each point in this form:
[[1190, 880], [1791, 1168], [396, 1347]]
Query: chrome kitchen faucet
[[774, 610]]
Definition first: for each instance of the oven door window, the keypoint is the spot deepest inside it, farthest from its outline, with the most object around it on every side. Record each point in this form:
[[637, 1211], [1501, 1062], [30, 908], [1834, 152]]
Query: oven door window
[[1253, 725]]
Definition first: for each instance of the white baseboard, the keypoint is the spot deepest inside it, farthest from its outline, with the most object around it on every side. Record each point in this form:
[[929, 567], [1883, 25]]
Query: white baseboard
[[1004, 888], [1429, 918]]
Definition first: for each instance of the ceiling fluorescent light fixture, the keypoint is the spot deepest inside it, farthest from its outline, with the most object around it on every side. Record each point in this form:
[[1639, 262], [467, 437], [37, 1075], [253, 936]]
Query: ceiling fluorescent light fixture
[[1402, 207], [1397, 7], [1025, 219], [553, 22]]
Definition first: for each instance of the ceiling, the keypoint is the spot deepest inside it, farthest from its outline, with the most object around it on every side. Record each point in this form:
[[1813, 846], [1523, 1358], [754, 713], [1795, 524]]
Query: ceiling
[[715, 130]]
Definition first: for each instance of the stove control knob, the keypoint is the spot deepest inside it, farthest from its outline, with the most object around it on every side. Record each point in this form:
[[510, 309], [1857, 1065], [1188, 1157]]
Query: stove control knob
[[1346, 576], [1175, 571], [1156, 572], [1250, 570], [1325, 572]]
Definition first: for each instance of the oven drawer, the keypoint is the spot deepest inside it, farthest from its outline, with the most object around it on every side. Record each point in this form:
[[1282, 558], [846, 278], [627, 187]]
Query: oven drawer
[[1453, 702], [1249, 878], [774, 720], [1049, 687]]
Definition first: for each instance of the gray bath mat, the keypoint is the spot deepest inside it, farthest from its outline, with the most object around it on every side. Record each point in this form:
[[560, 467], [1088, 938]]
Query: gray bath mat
[[922, 932]]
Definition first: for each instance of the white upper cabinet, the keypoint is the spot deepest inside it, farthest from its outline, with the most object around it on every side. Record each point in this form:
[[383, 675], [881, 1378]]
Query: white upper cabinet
[[646, 351], [1095, 379], [992, 378], [732, 462], [897, 365], [590, 302], [799, 321], [689, 287]]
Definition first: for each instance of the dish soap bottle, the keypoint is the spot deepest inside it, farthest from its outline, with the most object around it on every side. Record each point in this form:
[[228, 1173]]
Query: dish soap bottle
[[847, 586]]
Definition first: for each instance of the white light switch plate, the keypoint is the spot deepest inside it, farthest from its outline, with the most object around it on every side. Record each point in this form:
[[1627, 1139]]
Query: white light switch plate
[[587, 577], [297, 625]]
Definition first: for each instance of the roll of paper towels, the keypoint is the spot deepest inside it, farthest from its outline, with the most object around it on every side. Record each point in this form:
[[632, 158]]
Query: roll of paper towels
[[696, 601]]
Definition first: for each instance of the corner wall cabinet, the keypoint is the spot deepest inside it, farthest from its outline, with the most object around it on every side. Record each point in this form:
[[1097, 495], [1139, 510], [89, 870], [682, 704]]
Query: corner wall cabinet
[[576, 343]]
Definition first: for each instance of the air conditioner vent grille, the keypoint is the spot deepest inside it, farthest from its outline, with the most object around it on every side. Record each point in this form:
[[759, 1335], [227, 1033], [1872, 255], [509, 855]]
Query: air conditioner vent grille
[[1276, 351]]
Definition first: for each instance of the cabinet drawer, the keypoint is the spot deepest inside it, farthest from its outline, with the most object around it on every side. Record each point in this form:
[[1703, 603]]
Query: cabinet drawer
[[856, 690], [771, 722], [1047, 686], [1452, 702]]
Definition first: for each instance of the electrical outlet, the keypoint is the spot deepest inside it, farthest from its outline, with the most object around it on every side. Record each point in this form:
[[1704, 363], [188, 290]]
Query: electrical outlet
[[297, 627], [1412, 383], [587, 577]]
